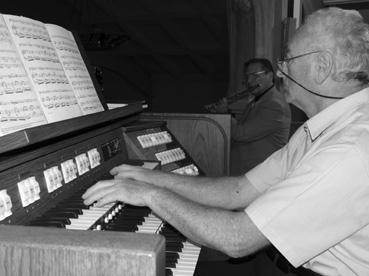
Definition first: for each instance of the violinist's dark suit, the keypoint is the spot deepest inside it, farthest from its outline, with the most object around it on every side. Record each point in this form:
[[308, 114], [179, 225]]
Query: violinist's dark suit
[[259, 130]]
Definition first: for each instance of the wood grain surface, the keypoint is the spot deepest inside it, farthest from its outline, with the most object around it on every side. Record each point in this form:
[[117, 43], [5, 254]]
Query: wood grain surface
[[39, 251]]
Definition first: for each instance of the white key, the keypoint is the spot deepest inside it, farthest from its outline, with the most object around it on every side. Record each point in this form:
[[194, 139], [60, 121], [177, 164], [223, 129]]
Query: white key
[[88, 217]]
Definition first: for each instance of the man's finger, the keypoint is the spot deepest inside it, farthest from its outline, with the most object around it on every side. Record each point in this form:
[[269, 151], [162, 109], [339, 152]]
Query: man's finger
[[101, 185]]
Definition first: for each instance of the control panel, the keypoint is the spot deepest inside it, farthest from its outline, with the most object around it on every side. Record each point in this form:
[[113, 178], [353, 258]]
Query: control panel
[[153, 141], [53, 178], [69, 170], [30, 188], [5, 205], [83, 163], [169, 156]]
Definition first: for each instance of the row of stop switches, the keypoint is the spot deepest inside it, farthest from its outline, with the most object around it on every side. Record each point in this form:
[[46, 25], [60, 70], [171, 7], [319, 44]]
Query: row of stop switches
[[29, 188]]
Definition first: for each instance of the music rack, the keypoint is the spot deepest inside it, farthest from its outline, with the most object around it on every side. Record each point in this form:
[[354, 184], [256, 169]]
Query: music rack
[[30, 136]]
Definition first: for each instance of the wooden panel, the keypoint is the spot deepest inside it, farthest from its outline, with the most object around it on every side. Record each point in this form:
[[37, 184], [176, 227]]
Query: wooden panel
[[206, 137], [31, 251]]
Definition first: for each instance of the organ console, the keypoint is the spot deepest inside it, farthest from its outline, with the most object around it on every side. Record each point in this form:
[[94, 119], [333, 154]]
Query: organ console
[[47, 230]]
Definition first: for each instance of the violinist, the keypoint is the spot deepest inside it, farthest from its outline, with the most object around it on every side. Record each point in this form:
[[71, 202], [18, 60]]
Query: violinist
[[261, 117]]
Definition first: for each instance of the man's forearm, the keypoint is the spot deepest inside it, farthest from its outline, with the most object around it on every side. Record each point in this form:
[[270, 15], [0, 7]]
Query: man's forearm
[[224, 192], [230, 232]]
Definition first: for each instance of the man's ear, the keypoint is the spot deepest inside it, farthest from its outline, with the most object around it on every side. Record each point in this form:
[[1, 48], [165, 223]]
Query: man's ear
[[323, 66]]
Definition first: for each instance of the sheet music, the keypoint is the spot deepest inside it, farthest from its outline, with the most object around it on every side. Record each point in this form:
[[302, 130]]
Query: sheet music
[[19, 106], [41, 62], [75, 69]]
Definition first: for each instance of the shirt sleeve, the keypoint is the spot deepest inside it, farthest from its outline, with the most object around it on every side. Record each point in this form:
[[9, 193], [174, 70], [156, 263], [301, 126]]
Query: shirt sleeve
[[266, 120], [275, 165], [321, 203]]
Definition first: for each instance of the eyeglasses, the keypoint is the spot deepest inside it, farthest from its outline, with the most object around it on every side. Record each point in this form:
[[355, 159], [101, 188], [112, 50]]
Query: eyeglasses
[[283, 62], [253, 74]]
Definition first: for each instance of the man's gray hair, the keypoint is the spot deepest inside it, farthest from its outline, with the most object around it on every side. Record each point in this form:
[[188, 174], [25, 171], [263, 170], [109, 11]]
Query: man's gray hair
[[345, 34]]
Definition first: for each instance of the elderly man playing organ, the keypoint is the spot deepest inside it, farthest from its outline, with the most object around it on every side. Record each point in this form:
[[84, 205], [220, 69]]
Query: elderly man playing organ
[[310, 199]]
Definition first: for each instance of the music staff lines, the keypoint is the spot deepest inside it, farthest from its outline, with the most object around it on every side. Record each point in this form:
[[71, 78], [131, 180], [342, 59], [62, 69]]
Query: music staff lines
[[58, 101], [13, 76], [49, 78], [83, 88], [67, 49], [64, 57], [14, 87], [9, 62], [9, 51], [40, 55], [74, 65], [90, 105], [10, 112], [62, 40], [5, 38], [29, 29]]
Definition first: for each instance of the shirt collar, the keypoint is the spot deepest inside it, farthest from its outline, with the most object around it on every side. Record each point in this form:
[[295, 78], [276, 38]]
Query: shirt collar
[[321, 121]]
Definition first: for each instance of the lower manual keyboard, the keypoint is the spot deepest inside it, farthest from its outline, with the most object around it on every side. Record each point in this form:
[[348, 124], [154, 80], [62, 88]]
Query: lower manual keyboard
[[178, 262], [181, 255]]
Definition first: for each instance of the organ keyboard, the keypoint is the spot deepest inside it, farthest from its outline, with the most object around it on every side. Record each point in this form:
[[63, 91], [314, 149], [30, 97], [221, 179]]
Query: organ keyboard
[[45, 172], [72, 214]]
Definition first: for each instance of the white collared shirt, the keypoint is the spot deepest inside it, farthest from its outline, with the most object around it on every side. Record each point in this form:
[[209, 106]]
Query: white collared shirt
[[314, 206]]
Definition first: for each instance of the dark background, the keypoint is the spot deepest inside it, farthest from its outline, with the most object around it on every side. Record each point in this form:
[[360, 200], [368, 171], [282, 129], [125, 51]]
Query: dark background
[[174, 54]]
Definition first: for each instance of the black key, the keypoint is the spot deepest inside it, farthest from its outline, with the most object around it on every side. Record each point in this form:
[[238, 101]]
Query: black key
[[56, 224], [65, 214], [63, 220]]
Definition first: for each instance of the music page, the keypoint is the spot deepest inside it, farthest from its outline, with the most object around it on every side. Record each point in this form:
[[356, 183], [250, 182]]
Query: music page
[[19, 105], [42, 64], [75, 69]]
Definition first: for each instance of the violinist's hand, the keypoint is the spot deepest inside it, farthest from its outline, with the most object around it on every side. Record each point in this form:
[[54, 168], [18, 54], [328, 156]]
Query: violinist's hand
[[125, 190], [221, 106]]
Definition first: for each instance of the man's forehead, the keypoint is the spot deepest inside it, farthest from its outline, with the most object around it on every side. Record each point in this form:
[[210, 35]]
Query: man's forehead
[[292, 49], [296, 44], [253, 67]]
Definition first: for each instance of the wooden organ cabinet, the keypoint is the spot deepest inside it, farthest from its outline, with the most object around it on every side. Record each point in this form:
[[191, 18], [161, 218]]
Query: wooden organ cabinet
[[44, 170]]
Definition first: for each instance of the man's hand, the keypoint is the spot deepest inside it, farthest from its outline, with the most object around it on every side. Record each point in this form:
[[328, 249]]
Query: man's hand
[[134, 172], [123, 189], [221, 106]]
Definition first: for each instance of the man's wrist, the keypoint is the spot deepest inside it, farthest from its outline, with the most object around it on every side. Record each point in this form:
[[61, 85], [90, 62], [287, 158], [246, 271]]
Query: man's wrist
[[152, 194]]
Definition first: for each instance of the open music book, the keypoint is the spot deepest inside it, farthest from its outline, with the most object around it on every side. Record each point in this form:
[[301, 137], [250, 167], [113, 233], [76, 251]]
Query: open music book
[[43, 77]]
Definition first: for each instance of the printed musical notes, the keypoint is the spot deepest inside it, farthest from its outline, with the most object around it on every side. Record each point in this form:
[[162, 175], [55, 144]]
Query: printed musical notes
[[46, 75], [58, 101], [38, 52], [19, 106], [25, 28], [19, 111], [43, 67], [75, 69], [43, 77], [5, 37]]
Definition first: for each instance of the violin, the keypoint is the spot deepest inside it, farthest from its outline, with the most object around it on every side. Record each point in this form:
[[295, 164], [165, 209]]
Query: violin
[[247, 93]]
